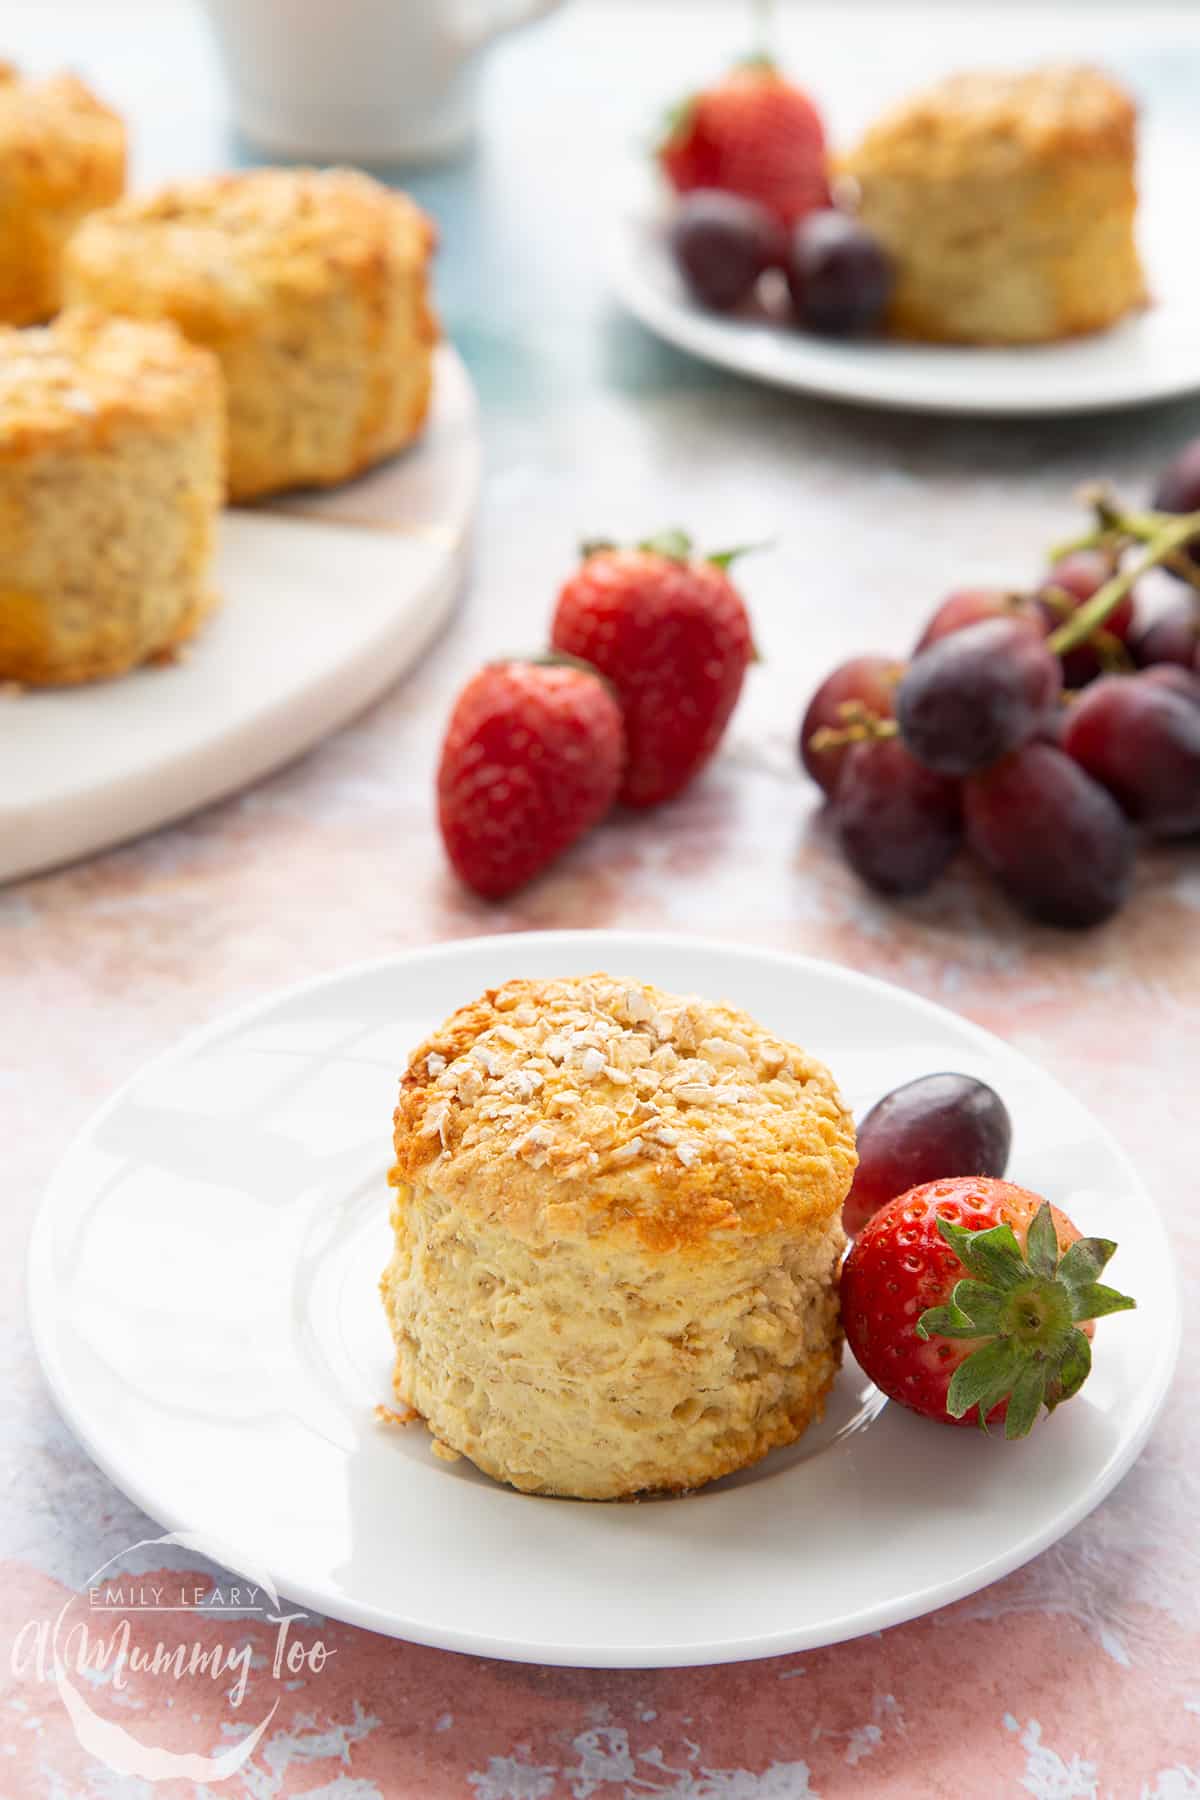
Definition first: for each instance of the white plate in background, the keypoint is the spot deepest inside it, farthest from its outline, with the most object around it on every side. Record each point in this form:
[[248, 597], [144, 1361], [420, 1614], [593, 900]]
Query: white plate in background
[[1152, 355]]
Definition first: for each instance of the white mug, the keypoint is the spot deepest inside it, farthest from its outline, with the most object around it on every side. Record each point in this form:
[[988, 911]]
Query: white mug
[[359, 80]]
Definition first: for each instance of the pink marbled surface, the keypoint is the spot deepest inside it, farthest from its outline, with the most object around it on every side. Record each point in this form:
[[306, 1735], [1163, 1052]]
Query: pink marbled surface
[[1078, 1678]]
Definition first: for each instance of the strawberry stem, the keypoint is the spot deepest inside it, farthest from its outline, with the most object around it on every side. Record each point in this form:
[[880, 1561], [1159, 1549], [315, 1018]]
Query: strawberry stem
[[1026, 1309], [677, 546], [676, 124], [764, 35], [725, 559], [674, 544]]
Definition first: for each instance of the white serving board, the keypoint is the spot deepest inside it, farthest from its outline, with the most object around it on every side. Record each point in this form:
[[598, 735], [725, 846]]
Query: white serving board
[[327, 598]]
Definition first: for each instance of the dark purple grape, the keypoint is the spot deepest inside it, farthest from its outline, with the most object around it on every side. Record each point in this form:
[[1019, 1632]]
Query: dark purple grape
[[839, 276], [967, 606], [934, 1127], [1178, 489], [1056, 840], [898, 823], [722, 244], [1173, 636], [977, 694], [869, 681], [1142, 742], [1081, 575]]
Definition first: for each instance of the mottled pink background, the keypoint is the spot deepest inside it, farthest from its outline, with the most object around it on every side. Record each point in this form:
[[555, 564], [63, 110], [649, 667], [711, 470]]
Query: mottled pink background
[[1078, 1678]]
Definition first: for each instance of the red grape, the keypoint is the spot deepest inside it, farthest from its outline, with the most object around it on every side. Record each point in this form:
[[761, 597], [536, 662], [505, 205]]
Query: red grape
[[1170, 675], [722, 244], [898, 823], [1053, 727], [839, 276], [1142, 742], [1081, 575], [936, 1126], [1056, 840], [967, 606], [1178, 489], [868, 680], [1172, 637], [977, 694]]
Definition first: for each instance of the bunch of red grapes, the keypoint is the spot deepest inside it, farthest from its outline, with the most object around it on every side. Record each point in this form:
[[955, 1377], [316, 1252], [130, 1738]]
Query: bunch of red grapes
[[839, 278], [1045, 730]]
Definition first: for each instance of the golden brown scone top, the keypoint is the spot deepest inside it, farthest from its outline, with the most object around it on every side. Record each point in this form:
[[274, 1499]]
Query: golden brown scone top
[[602, 1104], [1058, 111], [69, 383], [55, 127], [234, 243]]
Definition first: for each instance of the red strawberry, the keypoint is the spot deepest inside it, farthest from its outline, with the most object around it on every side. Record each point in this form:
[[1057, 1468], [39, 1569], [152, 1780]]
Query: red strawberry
[[670, 632], [532, 759], [973, 1296], [752, 134]]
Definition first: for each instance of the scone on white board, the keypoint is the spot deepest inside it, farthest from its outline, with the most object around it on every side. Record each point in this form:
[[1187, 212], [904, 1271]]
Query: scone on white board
[[62, 154], [312, 288], [112, 443]]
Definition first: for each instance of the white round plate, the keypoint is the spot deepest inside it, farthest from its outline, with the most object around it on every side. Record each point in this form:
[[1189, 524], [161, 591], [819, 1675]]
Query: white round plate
[[326, 599], [203, 1291], [1153, 355]]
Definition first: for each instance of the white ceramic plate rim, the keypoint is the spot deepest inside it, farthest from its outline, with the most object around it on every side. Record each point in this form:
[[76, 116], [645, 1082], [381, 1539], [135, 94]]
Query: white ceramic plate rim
[[596, 944]]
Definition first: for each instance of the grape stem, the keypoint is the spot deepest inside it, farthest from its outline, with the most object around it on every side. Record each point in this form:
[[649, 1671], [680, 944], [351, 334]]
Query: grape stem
[[1142, 528], [1113, 655], [1162, 534], [1115, 529], [859, 726], [1185, 568]]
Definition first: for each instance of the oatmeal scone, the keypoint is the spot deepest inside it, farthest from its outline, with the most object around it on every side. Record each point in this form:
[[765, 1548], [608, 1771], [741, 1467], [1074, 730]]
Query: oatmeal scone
[[617, 1235], [312, 287], [1007, 203], [62, 154], [111, 460]]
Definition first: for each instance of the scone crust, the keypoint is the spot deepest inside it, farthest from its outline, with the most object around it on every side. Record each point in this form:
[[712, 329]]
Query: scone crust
[[111, 453], [80, 382], [989, 120], [312, 288], [1007, 203], [62, 154], [548, 1104]]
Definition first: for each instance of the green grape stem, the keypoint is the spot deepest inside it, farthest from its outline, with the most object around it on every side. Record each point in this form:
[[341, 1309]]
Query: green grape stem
[[1143, 528], [1163, 534], [859, 726], [1117, 528]]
